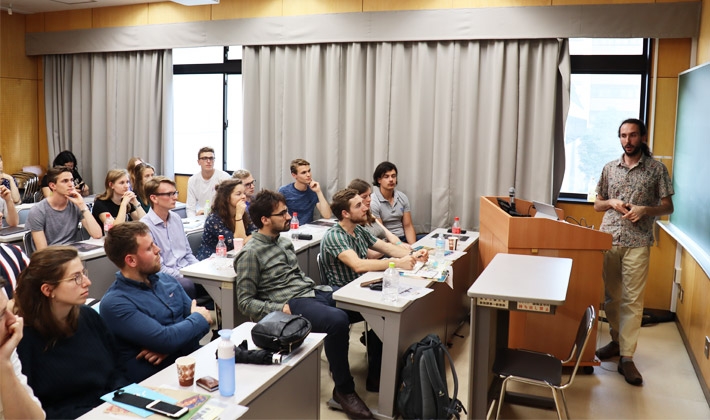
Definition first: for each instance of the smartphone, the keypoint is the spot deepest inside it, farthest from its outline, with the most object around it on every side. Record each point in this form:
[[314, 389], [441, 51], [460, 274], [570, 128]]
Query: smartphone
[[369, 283], [166, 409]]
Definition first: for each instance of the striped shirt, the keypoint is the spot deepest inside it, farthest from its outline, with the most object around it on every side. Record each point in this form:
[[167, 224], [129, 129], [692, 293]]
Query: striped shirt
[[644, 184], [335, 241], [12, 262], [268, 276]]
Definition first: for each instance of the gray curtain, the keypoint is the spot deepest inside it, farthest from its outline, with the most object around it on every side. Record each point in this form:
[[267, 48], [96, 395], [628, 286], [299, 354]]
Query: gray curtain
[[460, 119], [107, 107]]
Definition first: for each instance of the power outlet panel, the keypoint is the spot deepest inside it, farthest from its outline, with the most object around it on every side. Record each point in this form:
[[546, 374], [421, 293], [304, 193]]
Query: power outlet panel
[[707, 347]]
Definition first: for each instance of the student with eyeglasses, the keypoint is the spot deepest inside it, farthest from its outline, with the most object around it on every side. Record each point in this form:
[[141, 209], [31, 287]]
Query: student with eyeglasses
[[201, 186], [168, 233], [249, 190], [68, 354]]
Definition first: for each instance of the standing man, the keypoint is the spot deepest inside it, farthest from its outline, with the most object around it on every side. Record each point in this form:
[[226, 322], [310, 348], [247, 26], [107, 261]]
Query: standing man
[[54, 221], [201, 186], [153, 319], [632, 191], [304, 193], [269, 279], [168, 233]]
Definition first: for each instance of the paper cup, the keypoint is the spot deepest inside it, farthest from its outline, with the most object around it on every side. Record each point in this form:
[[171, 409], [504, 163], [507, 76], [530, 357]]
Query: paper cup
[[238, 244], [185, 370], [453, 243]]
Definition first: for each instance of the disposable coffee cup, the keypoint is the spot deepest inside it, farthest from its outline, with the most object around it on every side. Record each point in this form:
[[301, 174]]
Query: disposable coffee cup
[[185, 370], [453, 243], [238, 244]]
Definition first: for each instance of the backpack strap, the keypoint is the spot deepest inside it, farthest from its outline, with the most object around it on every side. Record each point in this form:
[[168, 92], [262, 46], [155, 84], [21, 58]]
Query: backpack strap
[[455, 406], [440, 392]]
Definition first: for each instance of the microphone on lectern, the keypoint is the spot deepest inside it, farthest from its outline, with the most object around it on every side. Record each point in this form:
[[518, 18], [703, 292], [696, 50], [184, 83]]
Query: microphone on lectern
[[511, 194]]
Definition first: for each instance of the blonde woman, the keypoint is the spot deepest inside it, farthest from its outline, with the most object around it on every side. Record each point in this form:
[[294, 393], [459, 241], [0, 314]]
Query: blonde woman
[[118, 200]]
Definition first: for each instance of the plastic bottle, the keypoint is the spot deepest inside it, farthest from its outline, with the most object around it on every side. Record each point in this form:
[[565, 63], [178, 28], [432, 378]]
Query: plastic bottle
[[221, 249], [108, 222], [456, 227], [390, 284], [207, 207], [440, 250], [294, 221], [225, 362]]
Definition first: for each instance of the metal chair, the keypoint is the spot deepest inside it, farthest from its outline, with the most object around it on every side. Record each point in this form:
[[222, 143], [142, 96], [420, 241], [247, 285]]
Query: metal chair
[[321, 270], [545, 370], [28, 243], [22, 215]]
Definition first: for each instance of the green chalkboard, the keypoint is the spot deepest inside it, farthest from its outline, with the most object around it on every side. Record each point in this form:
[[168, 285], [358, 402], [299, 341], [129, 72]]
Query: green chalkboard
[[691, 162]]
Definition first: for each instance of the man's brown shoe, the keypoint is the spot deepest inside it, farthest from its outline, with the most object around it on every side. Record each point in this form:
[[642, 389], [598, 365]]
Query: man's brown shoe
[[608, 351], [352, 405], [628, 369]]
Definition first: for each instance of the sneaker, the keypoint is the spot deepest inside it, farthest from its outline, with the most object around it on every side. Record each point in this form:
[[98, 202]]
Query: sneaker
[[608, 351], [631, 374]]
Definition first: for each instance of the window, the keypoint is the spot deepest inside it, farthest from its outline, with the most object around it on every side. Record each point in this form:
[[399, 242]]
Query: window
[[207, 98], [609, 83]]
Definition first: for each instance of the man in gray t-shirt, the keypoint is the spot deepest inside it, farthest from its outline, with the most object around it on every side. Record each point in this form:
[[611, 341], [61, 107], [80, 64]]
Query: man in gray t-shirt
[[54, 220]]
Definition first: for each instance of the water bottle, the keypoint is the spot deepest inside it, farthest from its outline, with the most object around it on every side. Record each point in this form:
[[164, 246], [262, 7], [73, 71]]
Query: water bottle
[[294, 221], [221, 249], [440, 250], [456, 227], [108, 222], [225, 362], [390, 284], [207, 207]]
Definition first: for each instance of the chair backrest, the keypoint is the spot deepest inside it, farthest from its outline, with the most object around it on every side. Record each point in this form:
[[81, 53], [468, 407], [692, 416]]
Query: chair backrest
[[22, 215], [28, 243], [194, 238], [580, 342], [38, 196], [321, 269]]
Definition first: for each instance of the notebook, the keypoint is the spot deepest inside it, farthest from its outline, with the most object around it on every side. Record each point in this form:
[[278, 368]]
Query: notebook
[[545, 210]]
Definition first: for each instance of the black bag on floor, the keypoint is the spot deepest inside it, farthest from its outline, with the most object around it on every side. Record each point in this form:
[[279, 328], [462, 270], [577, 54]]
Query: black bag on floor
[[423, 393]]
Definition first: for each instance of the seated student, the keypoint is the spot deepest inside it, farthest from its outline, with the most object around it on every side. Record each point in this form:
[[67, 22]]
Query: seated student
[[8, 212], [66, 158], [269, 279], [67, 352], [17, 400], [249, 189], [153, 319], [228, 218], [391, 207], [12, 262], [304, 194], [142, 173], [118, 200], [8, 182], [201, 186], [372, 225], [132, 163], [169, 235], [54, 220]]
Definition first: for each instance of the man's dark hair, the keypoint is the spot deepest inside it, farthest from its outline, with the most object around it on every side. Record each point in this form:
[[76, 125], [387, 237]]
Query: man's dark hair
[[380, 171], [642, 131], [53, 173], [121, 241], [264, 205], [341, 202]]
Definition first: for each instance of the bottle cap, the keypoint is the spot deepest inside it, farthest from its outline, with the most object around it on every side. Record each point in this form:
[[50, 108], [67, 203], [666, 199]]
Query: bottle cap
[[295, 214], [220, 237], [456, 218], [225, 334], [391, 264]]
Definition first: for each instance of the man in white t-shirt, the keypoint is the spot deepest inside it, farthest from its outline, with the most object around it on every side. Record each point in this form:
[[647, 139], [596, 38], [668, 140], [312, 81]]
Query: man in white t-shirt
[[201, 186]]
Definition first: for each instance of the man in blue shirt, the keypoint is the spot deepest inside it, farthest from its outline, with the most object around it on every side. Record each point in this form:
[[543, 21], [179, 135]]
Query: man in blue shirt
[[304, 194], [153, 319]]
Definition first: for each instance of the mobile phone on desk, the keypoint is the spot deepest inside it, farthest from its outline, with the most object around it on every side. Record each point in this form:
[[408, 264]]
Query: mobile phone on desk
[[370, 283], [166, 409]]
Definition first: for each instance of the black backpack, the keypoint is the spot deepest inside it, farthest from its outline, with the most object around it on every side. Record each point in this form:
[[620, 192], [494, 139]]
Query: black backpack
[[422, 392]]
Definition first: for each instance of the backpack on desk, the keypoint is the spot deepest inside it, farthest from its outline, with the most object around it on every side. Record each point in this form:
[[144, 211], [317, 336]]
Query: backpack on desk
[[423, 392]]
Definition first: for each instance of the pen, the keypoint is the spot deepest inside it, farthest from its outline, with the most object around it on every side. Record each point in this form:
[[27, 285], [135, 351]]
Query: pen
[[405, 291]]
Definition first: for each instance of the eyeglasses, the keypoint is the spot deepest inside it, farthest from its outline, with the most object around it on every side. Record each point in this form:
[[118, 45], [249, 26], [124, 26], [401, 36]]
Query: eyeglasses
[[250, 184], [167, 194], [207, 158], [78, 277], [280, 214]]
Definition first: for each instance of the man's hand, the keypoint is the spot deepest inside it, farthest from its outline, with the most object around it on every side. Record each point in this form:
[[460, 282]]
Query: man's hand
[[151, 357], [77, 199], [405, 263], [421, 255], [287, 309], [618, 205], [634, 213], [202, 311], [315, 186]]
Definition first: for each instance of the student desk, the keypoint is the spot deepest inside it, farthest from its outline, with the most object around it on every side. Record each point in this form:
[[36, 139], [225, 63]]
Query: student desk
[[509, 282], [102, 271], [290, 390], [405, 322]]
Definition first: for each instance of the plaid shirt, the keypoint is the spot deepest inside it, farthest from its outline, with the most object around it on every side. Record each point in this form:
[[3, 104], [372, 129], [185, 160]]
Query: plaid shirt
[[268, 276], [644, 184], [335, 241]]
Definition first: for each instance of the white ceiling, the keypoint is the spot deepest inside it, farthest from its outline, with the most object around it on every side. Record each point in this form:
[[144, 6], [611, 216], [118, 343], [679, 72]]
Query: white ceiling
[[37, 6]]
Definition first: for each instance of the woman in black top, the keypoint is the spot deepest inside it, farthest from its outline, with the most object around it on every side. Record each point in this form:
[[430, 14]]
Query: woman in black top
[[118, 200], [67, 158]]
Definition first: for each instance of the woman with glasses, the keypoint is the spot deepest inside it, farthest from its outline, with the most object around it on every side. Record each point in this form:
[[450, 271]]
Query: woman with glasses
[[67, 352], [118, 200], [142, 173], [373, 225], [229, 217]]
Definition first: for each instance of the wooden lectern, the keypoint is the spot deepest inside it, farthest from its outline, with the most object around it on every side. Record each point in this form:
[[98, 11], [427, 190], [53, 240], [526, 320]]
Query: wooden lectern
[[554, 334]]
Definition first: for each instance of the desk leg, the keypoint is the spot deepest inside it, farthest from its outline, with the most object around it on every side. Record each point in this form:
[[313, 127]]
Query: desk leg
[[481, 360], [223, 295]]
